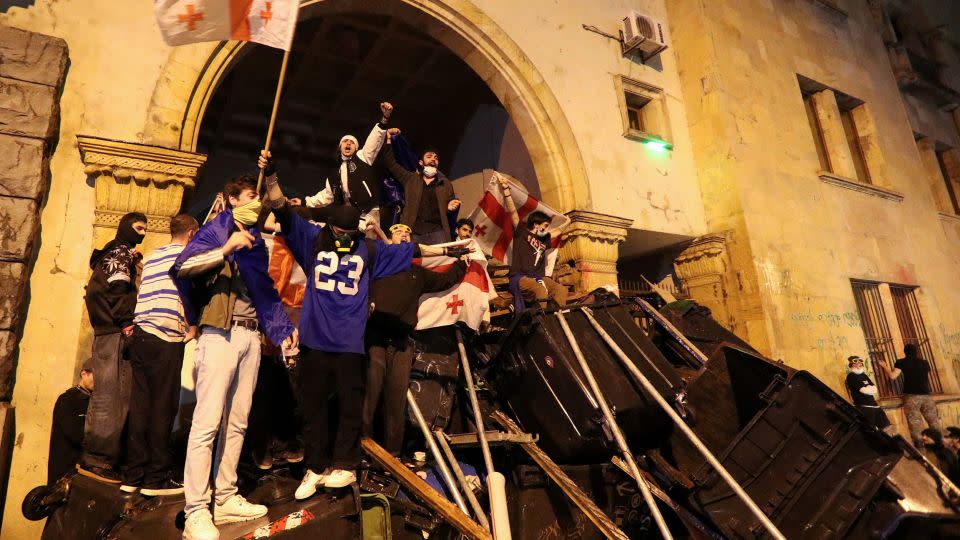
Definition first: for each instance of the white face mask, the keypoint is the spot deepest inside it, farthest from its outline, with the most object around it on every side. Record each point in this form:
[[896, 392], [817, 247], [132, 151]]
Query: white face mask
[[857, 370], [429, 171]]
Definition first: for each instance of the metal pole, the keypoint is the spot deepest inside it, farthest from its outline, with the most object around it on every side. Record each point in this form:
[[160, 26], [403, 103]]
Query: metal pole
[[673, 331], [477, 416], [648, 386], [458, 472], [432, 444], [496, 483], [617, 434]]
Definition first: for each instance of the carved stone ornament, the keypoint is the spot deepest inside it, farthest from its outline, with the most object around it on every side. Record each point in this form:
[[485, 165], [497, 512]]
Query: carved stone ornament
[[592, 241], [133, 177]]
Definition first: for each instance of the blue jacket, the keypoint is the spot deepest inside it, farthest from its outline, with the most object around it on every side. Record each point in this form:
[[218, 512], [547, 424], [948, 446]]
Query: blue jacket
[[202, 277]]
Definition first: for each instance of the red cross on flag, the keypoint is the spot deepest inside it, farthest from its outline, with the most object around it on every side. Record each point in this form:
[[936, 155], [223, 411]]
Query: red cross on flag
[[268, 22], [493, 227], [468, 301]]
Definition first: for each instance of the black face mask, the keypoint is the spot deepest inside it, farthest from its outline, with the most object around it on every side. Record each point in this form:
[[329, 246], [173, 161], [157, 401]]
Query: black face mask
[[346, 241], [125, 231]]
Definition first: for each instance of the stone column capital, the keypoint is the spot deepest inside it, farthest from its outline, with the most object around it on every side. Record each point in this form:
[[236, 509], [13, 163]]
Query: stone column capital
[[592, 241], [596, 226], [140, 162], [134, 177], [705, 259]]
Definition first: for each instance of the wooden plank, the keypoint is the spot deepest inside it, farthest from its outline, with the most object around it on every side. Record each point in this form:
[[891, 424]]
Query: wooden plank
[[423, 491], [586, 505]]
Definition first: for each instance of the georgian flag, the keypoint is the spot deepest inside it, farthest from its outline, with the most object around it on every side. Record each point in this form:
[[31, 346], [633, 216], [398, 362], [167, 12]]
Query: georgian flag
[[468, 301], [493, 227], [268, 22]]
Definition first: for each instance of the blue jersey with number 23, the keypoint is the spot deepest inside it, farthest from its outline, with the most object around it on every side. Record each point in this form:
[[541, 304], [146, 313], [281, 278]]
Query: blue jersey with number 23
[[336, 303]]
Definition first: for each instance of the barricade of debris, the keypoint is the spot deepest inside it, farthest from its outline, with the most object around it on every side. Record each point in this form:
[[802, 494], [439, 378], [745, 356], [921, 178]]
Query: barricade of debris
[[612, 418]]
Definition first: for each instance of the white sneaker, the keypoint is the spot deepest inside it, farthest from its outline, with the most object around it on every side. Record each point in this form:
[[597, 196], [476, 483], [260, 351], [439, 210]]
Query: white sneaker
[[236, 508], [308, 486], [199, 526], [339, 478]]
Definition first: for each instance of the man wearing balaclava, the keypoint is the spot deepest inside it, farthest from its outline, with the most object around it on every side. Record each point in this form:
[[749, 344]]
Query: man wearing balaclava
[[352, 180], [340, 264], [227, 293], [111, 298]]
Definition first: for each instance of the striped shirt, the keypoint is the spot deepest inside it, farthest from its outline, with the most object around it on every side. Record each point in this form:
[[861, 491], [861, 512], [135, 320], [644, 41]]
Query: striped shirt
[[159, 310]]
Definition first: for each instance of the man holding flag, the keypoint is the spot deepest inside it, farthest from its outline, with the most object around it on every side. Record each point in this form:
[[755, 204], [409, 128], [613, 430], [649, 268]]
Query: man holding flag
[[514, 227], [239, 301]]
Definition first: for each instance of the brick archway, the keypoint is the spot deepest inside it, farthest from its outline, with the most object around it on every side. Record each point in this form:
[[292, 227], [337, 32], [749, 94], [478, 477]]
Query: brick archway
[[191, 75]]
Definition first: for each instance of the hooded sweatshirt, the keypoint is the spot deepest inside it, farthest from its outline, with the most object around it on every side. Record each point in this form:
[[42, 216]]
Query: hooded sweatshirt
[[112, 290]]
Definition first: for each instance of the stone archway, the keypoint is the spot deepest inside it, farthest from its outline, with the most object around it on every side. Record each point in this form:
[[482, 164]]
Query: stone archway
[[177, 106]]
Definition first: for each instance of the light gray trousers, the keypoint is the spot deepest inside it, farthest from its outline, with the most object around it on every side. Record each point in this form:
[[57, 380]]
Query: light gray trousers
[[225, 368]]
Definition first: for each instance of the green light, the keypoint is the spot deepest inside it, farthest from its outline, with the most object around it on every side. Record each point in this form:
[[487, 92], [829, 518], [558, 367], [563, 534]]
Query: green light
[[659, 146], [655, 143]]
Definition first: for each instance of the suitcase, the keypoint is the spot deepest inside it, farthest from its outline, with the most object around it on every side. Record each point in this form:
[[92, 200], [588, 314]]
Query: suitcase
[[539, 379]]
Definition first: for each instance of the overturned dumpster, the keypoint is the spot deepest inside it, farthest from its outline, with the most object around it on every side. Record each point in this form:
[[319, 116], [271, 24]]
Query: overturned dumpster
[[612, 419]]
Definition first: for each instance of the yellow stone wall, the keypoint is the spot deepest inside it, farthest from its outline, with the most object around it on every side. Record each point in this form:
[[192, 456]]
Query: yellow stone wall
[[124, 84], [794, 239]]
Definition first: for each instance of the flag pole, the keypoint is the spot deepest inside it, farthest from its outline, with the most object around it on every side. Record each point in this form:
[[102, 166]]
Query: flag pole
[[276, 103]]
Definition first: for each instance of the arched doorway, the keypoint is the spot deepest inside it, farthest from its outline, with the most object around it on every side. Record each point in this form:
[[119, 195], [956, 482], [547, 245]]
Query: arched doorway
[[175, 116], [341, 67]]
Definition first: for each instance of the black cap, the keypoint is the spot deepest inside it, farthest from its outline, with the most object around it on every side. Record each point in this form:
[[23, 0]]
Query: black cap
[[345, 217], [953, 432]]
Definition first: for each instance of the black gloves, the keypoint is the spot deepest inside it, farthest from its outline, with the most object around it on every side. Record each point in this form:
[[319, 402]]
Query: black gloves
[[456, 251]]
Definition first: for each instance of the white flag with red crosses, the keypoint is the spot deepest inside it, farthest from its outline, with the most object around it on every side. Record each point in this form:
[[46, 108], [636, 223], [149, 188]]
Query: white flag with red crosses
[[268, 22], [468, 301], [493, 226]]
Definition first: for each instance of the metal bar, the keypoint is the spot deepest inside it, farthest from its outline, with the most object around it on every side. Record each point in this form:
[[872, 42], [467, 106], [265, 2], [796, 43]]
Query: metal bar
[[617, 434], [673, 331], [432, 444], [697, 443], [458, 472], [475, 404]]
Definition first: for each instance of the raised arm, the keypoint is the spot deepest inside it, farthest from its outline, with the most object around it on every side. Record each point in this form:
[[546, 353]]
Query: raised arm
[[390, 161], [374, 142], [508, 199]]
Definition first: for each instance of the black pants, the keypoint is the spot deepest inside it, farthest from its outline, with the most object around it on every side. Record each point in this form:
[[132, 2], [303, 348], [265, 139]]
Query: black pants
[[154, 400], [273, 414], [321, 374], [109, 404], [388, 375]]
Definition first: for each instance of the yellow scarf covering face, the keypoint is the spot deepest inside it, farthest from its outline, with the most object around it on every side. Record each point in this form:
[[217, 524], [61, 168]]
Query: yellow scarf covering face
[[248, 213]]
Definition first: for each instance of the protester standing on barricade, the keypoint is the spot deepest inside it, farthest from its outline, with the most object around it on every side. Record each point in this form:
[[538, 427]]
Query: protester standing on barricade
[[340, 264], [223, 281], [111, 298], [353, 180], [395, 301], [429, 195], [156, 358]]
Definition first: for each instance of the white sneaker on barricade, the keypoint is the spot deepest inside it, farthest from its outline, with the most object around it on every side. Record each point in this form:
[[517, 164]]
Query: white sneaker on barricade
[[339, 478], [237, 508], [199, 526], [308, 486]]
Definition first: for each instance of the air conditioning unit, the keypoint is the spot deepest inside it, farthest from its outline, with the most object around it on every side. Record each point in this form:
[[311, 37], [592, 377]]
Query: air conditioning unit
[[643, 35]]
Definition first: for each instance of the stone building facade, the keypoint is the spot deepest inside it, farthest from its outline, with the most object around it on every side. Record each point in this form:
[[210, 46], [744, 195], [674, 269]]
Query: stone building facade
[[734, 142]]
